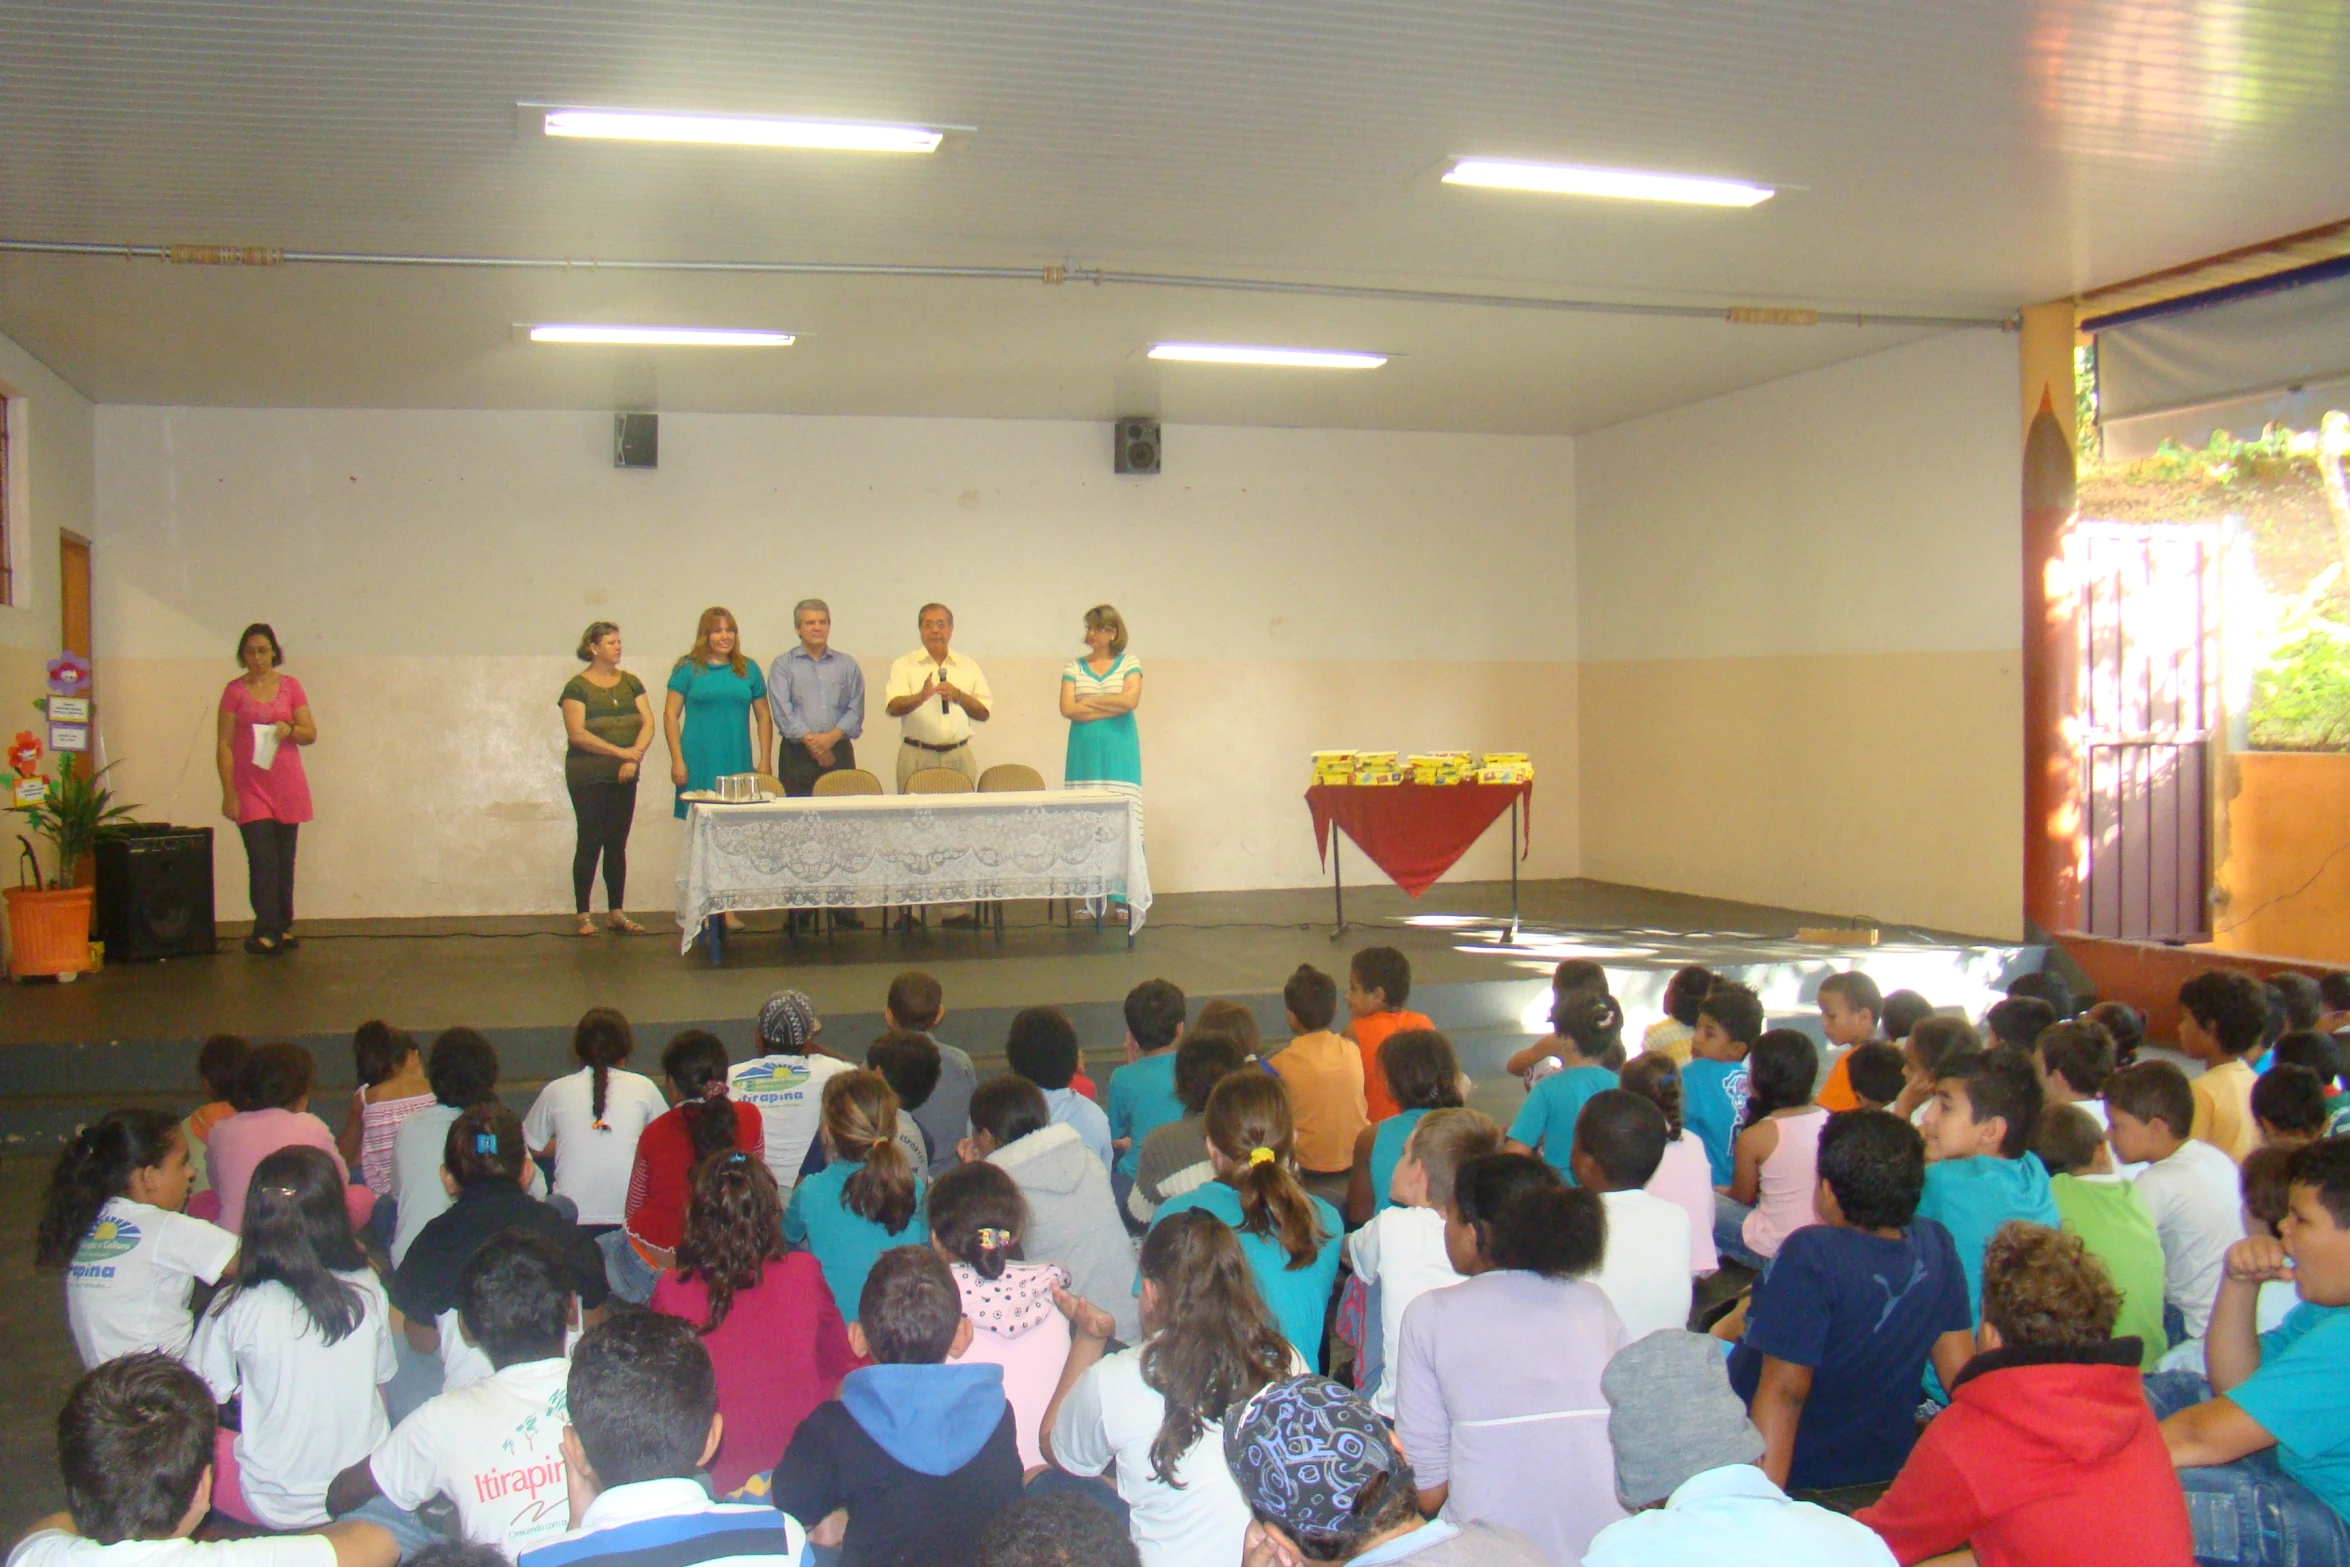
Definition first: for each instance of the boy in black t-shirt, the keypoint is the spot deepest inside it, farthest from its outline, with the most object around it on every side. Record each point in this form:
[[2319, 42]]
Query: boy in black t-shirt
[[1842, 1322], [920, 1450]]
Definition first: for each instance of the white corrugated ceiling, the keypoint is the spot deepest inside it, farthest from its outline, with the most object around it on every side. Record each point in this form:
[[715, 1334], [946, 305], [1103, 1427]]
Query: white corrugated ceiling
[[1939, 159]]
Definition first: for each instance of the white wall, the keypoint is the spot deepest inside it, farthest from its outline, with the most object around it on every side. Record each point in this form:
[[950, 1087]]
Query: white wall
[[1801, 641], [429, 573]]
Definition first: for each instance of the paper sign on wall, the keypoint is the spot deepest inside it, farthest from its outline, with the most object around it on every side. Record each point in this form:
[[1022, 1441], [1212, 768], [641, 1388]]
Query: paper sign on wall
[[69, 710], [69, 737], [30, 791]]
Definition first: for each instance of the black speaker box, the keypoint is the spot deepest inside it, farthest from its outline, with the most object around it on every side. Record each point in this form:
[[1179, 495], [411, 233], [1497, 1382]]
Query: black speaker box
[[1137, 447], [155, 893], [636, 440]]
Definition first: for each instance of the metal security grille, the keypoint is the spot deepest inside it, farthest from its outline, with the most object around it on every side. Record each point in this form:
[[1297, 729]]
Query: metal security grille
[[2148, 704]]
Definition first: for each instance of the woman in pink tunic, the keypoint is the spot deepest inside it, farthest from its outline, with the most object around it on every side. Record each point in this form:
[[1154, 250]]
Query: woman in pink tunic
[[266, 795]]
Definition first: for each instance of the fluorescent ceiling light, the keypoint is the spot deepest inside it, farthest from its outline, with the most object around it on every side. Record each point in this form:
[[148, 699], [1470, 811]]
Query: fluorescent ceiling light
[[733, 131], [667, 336], [1558, 179], [1294, 358]]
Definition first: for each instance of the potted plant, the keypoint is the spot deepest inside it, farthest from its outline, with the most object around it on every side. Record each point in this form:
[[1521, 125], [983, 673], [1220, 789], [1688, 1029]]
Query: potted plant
[[49, 923]]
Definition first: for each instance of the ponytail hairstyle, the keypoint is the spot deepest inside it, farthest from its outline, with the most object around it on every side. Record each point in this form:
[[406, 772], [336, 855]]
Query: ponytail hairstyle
[[298, 1234], [1656, 1077], [977, 1215], [94, 1168], [1421, 1071], [1780, 1073], [861, 1125], [1249, 1124], [733, 1229], [484, 1145], [1526, 1218], [1211, 1343], [695, 1064], [602, 1040], [1593, 1023]]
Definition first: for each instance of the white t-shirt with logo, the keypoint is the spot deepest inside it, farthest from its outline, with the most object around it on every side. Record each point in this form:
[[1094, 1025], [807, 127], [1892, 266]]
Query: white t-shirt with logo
[[310, 1408], [1402, 1251], [592, 1162], [789, 1091], [127, 1286], [56, 1548], [495, 1449]]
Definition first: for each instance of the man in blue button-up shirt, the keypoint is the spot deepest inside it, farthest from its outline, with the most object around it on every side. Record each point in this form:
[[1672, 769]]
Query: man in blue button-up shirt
[[818, 697]]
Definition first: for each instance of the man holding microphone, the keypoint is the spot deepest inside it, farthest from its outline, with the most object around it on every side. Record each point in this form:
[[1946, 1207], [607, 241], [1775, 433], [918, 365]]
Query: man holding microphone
[[936, 695]]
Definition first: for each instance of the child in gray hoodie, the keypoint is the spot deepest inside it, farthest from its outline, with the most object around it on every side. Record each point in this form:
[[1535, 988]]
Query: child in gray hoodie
[[1072, 1218]]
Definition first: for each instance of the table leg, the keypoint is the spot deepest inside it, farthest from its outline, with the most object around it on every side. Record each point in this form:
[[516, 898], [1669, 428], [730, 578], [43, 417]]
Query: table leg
[[714, 938], [1513, 869], [1337, 883], [1130, 927]]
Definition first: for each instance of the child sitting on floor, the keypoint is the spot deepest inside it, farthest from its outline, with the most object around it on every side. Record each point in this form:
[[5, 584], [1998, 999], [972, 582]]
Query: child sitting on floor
[[1980, 1168], [2048, 1455], [1684, 1176], [2110, 1216], [1071, 1217], [1840, 1329], [1904, 1011], [136, 1447], [1422, 1074], [2190, 1187], [1713, 1084], [220, 1061], [463, 1070], [1402, 1251], [273, 1111], [910, 1064], [1644, 1270], [1590, 1033], [1324, 1075], [2289, 1105], [1174, 1156], [112, 1221], [867, 1198], [302, 1340], [1932, 1045], [976, 1218], [2266, 1453], [2017, 1021], [2223, 1017], [1669, 1036], [392, 1087], [1877, 1073], [1850, 1005], [1378, 983], [1774, 1162], [1573, 977], [921, 1448], [1142, 1092], [916, 1004], [1041, 1046]]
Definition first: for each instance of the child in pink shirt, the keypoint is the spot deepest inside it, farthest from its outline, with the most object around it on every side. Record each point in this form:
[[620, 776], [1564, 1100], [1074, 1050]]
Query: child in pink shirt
[[1685, 1176], [976, 1217], [273, 1112]]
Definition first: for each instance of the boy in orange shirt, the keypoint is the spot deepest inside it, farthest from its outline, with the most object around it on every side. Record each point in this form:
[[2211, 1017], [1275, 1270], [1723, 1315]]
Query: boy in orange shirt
[[1324, 1075], [1850, 1004], [1378, 983]]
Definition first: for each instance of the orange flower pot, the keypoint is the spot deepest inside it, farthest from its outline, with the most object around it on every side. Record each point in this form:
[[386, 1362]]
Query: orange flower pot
[[48, 932]]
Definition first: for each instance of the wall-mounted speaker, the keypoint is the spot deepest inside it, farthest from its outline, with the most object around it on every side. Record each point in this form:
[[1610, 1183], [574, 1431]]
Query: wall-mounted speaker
[[636, 440], [1137, 446], [155, 893]]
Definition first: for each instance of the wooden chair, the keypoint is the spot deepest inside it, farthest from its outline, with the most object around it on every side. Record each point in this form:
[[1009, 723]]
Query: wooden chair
[[937, 780], [769, 783], [848, 780], [1009, 777]]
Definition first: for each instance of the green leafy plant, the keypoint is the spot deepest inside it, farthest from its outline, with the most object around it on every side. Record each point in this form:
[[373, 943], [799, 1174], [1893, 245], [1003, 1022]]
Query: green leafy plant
[[2301, 698], [78, 811]]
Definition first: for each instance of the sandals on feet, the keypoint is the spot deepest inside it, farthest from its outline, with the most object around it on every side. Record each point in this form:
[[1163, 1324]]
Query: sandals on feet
[[626, 926], [587, 927]]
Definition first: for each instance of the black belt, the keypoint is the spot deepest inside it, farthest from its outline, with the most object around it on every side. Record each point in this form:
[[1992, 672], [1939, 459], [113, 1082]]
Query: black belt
[[942, 749]]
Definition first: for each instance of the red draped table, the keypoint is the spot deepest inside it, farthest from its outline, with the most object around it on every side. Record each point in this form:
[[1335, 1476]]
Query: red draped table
[[1415, 832]]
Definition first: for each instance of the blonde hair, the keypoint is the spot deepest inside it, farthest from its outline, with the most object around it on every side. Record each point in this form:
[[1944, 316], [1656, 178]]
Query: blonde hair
[[861, 1123], [1104, 618], [699, 654], [1443, 1141]]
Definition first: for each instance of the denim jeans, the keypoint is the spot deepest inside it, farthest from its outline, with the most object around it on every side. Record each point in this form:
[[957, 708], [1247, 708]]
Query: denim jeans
[[1730, 1231], [409, 1532], [2249, 1513], [631, 1277]]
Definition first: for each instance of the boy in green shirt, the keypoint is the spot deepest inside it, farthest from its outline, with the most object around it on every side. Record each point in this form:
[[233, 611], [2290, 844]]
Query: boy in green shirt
[[2111, 1219]]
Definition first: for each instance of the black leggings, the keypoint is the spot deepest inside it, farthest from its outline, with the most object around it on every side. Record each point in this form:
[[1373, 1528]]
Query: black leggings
[[269, 874], [605, 808]]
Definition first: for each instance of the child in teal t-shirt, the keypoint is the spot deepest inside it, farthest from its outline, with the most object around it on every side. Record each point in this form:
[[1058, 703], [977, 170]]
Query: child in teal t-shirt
[[867, 1200], [1714, 1083], [1142, 1092], [1980, 1169], [1590, 1031]]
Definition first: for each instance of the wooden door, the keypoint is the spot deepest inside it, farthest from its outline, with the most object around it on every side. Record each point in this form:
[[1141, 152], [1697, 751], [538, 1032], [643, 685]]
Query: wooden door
[[73, 593]]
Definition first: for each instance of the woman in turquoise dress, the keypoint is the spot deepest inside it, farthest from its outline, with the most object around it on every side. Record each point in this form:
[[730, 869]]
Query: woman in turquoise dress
[[1099, 694], [714, 695]]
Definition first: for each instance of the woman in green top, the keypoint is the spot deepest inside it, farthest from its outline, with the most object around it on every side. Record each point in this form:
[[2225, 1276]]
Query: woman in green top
[[714, 694], [609, 721]]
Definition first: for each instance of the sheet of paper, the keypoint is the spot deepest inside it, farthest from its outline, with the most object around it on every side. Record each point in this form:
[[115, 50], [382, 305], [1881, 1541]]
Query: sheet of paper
[[264, 745]]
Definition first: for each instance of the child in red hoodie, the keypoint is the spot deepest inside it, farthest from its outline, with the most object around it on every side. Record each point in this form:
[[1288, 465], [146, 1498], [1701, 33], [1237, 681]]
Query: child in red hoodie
[[2048, 1455]]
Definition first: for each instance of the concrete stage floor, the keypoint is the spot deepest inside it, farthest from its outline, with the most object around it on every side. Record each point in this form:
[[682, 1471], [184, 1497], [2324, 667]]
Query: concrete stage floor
[[126, 1035]]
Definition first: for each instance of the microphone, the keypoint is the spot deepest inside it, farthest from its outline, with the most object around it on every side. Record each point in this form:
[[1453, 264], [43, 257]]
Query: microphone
[[944, 705]]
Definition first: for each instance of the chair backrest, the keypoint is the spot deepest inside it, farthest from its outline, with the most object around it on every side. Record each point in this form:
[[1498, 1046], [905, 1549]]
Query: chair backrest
[[1007, 776], [938, 780], [848, 780], [769, 783]]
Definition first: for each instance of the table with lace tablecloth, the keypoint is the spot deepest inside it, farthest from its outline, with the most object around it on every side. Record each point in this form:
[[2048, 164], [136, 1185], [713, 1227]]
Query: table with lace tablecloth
[[879, 851]]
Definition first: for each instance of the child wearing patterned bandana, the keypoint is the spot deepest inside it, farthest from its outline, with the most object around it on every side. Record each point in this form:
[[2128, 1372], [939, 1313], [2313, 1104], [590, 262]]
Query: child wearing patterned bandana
[[1325, 1482]]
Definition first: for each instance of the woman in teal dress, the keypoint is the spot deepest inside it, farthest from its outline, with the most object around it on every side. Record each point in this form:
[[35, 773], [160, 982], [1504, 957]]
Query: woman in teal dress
[[714, 695], [1099, 694]]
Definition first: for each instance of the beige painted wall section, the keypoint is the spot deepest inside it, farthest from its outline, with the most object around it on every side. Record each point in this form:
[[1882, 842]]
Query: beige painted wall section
[[52, 485], [428, 573], [1802, 671]]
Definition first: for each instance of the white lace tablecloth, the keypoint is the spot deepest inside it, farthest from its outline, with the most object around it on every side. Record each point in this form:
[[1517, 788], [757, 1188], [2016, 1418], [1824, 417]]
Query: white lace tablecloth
[[862, 851]]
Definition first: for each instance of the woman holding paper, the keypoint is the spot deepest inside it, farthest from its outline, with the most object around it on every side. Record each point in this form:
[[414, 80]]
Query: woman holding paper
[[264, 721]]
